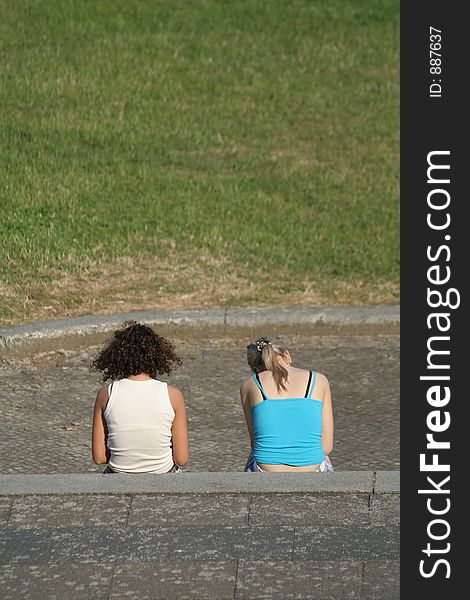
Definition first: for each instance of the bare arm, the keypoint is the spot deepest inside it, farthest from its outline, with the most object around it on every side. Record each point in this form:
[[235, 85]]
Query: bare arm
[[99, 434], [327, 420], [179, 429], [245, 400]]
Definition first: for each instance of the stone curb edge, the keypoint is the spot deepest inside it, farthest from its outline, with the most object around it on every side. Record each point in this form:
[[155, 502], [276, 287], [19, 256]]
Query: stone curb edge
[[91, 325], [346, 482]]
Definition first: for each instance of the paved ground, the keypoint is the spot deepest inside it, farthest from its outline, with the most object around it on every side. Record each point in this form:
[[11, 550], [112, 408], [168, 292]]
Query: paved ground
[[46, 403], [337, 540], [210, 542]]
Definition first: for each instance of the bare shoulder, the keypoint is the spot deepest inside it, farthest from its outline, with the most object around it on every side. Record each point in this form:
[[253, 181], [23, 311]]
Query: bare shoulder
[[102, 397], [322, 379], [176, 396], [322, 385], [246, 385]]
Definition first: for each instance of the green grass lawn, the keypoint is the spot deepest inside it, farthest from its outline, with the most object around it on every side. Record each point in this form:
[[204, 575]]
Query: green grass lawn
[[197, 153]]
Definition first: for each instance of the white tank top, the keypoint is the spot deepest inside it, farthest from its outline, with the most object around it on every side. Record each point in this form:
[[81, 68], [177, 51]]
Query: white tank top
[[139, 416]]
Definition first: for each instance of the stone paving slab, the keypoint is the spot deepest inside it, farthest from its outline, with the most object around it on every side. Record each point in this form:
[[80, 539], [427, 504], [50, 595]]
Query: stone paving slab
[[350, 543], [143, 545], [381, 580], [86, 545], [312, 509], [223, 580], [29, 546], [91, 510], [168, 580], [214, 510], [325, 580], [385, 509], [52, 582]]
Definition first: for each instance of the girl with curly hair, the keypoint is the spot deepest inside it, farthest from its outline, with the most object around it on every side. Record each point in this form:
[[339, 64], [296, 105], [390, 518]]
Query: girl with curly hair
[[139, 422], [288, 412]]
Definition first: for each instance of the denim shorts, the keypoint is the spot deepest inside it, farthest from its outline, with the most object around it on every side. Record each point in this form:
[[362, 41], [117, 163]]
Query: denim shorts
[[253, 467]]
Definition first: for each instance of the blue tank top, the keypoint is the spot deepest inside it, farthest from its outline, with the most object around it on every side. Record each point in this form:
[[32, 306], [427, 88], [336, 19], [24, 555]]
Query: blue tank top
[[287, 431]]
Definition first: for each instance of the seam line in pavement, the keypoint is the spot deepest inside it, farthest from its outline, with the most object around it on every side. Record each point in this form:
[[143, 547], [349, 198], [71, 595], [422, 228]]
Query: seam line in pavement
[[292, 552], [129, 510], [236, 580], [361, 595], [10, 508], [374, 480], [108, 591]]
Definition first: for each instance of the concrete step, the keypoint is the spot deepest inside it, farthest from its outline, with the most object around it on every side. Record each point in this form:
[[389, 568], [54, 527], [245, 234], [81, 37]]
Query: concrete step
[[202, 535]]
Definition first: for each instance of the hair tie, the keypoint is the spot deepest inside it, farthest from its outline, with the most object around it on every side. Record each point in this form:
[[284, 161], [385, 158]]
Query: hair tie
[[260, 344]]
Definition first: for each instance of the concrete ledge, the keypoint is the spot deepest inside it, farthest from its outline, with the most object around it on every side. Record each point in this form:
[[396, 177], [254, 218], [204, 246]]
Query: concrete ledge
[[387, 482], [347, 315], [93, 329], [347, 482]]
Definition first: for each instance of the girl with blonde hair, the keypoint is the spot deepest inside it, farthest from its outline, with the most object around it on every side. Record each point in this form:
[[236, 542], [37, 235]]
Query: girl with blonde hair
[[288, 412]]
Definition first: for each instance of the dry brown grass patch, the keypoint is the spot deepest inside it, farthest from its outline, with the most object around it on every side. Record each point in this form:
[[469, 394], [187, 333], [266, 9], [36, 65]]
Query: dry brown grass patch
[[166, 284]]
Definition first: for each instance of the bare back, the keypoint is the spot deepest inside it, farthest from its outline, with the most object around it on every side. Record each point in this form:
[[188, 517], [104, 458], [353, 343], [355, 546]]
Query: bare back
[[296, 386]]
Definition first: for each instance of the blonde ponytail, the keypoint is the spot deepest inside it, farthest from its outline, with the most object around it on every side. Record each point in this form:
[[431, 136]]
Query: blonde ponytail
[[263, 355]]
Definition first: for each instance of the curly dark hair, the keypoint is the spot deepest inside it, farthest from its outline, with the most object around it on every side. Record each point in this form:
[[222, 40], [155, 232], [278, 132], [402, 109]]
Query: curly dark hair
[[136, 349]]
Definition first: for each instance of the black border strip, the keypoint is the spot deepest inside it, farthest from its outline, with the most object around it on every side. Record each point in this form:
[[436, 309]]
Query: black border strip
[[433, 120]]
